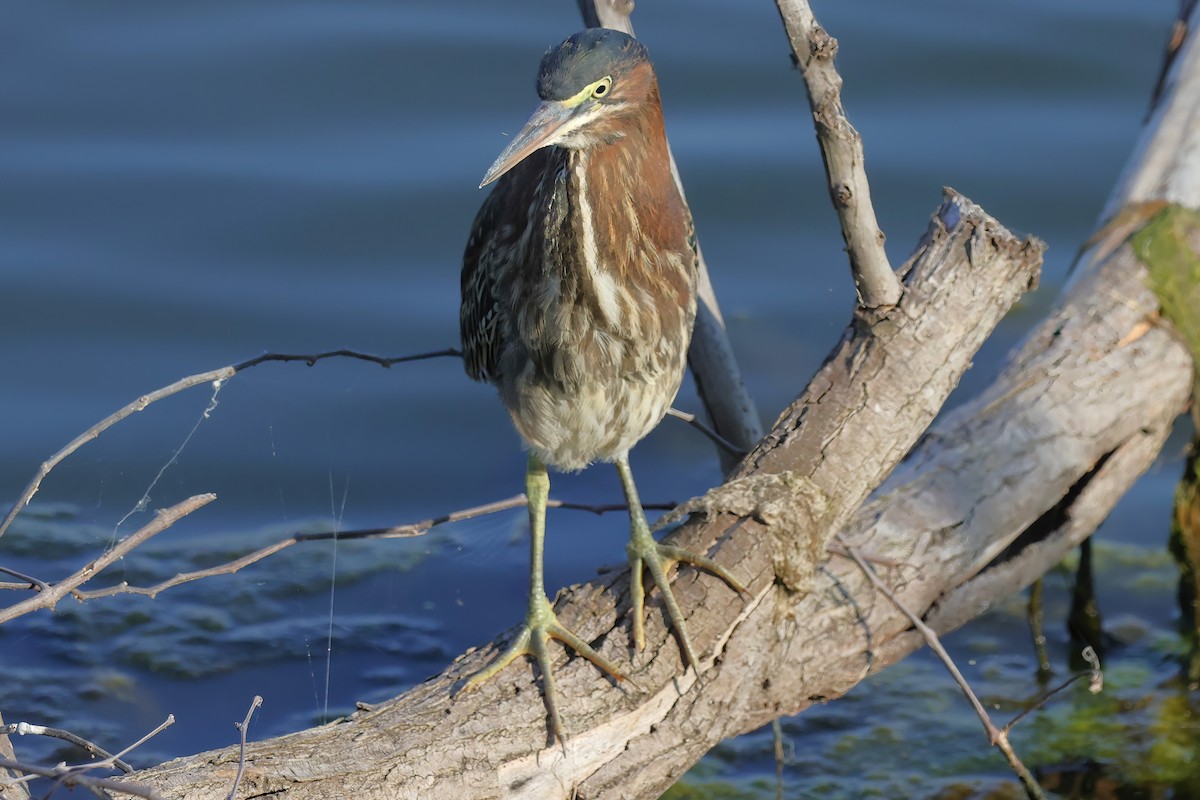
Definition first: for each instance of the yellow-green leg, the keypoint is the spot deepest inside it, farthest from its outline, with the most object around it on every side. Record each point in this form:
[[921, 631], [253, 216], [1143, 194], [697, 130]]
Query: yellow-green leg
[[541, 624], [658, 558]]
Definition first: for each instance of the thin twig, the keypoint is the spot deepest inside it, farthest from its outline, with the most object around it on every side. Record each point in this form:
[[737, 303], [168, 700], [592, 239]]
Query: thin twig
[[606, 508], [162, 726], [34, 583], [92, 749], [110, 761], [997, 736], [75, 775], [394, 532], [721, 441], [313, 358], [212, 376], [163, 519], [1041, 701], [813, 51], [112, 419], [242, 726], [66, 776]]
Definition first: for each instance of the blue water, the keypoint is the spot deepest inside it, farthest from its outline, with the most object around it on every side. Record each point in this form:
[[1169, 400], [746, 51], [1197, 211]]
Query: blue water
[[183, 186]]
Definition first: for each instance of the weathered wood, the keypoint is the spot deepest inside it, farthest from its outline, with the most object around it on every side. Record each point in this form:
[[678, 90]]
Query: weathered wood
[[760, 658], [1165, 164], [842, 154], [9, 788]]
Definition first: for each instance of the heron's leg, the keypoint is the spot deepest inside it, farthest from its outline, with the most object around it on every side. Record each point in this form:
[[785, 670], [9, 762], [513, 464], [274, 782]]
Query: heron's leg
[[658, 558], [541, 624]]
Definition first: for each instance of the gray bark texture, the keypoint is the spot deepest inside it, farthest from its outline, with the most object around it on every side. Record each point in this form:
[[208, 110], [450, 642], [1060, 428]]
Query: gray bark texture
[[798, 637], [842, 154]]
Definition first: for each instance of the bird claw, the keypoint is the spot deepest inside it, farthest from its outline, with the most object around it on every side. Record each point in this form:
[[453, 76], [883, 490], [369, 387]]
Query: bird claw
[[658, 559], [541, 625]]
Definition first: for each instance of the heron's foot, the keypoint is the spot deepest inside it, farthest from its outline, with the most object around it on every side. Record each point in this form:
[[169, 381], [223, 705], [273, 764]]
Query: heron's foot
[[658, 559], [542, 625]]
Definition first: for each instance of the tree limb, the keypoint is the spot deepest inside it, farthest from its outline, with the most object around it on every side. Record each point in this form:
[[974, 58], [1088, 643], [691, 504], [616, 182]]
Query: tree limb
[[49, 597], [842, 153], [405, 531]]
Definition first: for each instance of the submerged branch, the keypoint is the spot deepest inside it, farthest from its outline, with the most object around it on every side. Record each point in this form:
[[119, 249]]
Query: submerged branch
[[997, 736]]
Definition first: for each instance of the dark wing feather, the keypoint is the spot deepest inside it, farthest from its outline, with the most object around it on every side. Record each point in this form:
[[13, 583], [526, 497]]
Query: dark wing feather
[[490, 248], [490, 261]]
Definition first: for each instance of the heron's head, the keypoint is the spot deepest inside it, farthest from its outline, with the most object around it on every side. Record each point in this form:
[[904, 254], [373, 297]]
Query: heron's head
[[593, 87]]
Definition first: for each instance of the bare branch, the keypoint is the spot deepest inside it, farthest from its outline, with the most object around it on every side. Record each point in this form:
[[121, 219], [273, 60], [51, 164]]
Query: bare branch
[[92, 749], [313, 358], [842, 150], [721, 442], [213, 376], [229, 568], [242, 727], [1095, 676], [76, 775], [997, 736], [33, 583], [162, 726], [224, 373], [66, 776], [406, 531], [163, 519]]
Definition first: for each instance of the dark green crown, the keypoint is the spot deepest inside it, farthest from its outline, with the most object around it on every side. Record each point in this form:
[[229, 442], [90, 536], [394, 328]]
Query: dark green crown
[[585, 58]]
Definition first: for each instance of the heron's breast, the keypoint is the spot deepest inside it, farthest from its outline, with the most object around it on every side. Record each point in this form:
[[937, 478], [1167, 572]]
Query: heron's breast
[[596, 418]]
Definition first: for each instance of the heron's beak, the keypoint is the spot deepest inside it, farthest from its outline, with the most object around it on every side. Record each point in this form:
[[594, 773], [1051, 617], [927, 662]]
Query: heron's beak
[[543, 128]]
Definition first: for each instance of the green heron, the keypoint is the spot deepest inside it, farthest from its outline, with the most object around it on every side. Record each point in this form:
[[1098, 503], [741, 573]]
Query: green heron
[[578, 298]]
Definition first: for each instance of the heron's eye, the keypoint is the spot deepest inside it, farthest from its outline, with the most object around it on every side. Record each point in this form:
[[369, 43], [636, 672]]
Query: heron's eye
[[602, 87]]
